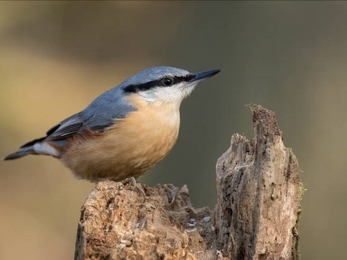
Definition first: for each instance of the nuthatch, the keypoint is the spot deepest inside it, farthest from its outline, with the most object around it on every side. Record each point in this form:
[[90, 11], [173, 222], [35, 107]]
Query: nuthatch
[[125, 131]]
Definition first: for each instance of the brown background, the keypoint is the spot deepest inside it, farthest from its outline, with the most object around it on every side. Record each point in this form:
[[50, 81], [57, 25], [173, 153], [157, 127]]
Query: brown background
[[287, 56]]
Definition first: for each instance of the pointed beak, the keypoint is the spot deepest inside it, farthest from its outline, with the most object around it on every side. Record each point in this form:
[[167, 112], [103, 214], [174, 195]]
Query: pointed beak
[[200, 76]]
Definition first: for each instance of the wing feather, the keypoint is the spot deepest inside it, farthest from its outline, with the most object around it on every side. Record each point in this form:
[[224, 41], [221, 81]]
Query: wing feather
[[100, 114], [66, 128]]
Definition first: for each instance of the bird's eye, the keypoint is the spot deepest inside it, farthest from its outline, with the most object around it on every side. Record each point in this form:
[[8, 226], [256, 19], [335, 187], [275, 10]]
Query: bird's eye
[[167, 81]]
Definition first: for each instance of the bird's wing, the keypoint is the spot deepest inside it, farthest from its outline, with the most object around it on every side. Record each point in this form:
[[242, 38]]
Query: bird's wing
[[101, 113], [75, 124], [78, 124], [66, 128]]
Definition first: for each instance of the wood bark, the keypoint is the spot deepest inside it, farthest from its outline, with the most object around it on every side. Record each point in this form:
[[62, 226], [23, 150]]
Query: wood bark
[[255, 217]]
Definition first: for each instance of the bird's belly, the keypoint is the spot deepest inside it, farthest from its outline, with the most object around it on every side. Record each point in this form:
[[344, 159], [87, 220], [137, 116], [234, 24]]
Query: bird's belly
[[124, 150]]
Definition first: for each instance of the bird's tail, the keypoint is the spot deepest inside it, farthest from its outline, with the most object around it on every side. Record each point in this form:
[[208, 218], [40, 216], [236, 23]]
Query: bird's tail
[[20, 153], [37, 146]]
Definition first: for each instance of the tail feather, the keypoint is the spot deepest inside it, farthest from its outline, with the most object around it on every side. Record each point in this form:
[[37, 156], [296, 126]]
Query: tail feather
[[38, 146], [20, 153]]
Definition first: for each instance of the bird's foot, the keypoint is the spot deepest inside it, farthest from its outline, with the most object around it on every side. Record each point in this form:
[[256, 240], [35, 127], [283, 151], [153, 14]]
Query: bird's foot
[[132, 181], [173, 192]]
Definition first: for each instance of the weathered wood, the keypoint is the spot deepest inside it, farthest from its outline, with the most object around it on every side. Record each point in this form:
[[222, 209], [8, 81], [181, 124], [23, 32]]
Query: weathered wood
[[258, 195], [258, 203], [118, 222]]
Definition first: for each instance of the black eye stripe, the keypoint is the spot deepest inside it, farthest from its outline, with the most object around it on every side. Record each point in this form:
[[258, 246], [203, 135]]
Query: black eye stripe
[[156, 83], [139, 87], [182, 78]]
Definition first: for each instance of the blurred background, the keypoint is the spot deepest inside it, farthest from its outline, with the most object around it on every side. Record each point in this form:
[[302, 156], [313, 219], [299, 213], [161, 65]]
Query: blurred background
[[56, 57]]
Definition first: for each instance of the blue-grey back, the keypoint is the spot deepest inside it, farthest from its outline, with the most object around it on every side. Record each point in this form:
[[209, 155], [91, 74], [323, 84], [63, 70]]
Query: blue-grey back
[[105, 108]]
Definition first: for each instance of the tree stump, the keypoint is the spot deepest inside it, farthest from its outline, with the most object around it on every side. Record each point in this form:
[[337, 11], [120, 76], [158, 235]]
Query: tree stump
[[256, 215]]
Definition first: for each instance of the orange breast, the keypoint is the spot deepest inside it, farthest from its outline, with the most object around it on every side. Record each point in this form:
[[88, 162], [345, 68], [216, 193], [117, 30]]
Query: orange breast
[[126, 149]]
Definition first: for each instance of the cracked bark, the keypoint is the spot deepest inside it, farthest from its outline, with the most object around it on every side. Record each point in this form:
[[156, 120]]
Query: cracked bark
[[255, 217]]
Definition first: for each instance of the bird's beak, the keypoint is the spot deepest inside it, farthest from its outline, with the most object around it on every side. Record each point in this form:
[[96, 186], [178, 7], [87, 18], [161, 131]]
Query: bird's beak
[[200, 76]]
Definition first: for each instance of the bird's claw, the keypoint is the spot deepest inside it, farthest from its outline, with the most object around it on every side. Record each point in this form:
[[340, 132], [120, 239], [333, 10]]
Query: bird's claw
[[132, 181]]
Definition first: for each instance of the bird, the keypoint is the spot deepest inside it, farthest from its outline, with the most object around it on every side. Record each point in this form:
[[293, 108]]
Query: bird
[[123, 132]]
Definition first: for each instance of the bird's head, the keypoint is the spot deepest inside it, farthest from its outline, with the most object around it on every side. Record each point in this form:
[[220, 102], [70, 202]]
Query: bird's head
[[162, 85]]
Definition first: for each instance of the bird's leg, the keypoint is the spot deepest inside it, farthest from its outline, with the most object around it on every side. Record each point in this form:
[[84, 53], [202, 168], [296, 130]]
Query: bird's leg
[[132, 180]]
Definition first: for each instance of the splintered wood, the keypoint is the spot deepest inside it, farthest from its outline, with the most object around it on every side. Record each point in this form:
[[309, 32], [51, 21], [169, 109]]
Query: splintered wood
[[256, 215], [258, 194]]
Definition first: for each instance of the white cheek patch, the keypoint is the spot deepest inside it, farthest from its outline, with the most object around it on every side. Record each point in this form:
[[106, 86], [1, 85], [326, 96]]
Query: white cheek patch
[[162, 95], [45, 148], [148, 96]]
